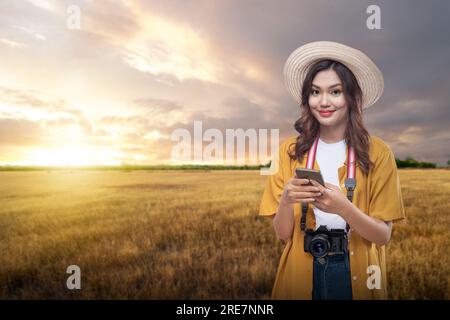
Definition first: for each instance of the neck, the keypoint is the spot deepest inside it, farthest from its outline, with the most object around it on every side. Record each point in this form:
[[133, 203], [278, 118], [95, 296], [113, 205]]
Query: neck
[[332, 134]]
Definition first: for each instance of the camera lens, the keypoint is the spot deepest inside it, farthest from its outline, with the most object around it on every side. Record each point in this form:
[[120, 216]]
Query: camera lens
[[319, 246]]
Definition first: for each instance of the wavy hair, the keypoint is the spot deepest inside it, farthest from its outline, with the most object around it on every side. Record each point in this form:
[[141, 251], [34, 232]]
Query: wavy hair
[[308, 126]]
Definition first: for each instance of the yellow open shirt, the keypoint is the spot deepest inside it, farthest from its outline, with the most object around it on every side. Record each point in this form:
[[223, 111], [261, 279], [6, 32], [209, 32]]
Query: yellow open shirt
[[378, 195]]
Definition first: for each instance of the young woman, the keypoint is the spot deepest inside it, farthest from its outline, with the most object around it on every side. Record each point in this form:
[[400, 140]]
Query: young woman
[[333, 83]]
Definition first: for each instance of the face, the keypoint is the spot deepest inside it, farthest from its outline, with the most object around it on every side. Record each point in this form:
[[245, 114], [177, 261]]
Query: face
[[327, 101]]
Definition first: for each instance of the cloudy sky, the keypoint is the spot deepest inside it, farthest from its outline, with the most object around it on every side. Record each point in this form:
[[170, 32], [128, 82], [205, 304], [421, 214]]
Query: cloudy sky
[[114, 90]]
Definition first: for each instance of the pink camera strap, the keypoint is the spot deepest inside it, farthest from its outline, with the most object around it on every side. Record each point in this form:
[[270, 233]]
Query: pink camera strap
[[351, 159]]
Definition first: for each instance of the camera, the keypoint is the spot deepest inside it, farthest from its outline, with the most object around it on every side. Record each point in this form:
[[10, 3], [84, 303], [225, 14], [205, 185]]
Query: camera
[[323, 241]]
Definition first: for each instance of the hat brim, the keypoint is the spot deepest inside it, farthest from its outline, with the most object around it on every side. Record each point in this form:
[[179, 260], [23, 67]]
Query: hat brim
[[369, 77]]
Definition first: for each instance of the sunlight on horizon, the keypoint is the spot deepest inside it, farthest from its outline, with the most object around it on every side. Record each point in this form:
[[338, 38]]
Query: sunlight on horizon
[[70, 156]]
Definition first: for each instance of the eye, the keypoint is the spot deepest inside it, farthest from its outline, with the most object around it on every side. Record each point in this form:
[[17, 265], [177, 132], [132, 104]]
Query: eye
[[336, 92], [314, 92]]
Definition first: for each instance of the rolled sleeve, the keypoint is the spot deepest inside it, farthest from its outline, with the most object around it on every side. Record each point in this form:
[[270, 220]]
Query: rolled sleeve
[[386, 201]]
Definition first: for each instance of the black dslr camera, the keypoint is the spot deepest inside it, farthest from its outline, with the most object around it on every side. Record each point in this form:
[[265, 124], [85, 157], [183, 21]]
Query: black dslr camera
[[323, 241]]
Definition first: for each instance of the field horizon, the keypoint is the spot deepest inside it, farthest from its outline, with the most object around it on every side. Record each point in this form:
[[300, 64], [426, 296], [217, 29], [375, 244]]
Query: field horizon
[[154, 167]]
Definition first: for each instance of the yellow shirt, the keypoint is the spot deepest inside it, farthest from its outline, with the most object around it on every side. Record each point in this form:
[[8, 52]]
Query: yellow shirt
[[378, 195]]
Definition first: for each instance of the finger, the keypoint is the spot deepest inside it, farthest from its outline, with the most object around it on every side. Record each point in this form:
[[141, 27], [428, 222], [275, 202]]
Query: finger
[[304, 189], [301, 195], [297, 199], [318, 185], [300, 182], [331, 186]]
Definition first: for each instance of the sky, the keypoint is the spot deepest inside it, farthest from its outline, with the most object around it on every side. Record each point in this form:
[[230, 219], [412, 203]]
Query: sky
[[115, 89]]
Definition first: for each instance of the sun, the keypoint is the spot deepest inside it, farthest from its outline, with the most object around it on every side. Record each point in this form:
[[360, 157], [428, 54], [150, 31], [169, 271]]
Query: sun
[[72, 149]]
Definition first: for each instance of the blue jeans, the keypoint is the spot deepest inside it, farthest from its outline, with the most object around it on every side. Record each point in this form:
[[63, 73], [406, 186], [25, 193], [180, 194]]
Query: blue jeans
[[332, 278]]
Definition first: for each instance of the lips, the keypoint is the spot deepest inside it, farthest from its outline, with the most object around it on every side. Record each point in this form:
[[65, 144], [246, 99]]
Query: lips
[[327, 113]]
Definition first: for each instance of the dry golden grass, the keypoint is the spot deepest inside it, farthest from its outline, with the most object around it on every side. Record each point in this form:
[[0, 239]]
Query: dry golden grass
[[183, 235]]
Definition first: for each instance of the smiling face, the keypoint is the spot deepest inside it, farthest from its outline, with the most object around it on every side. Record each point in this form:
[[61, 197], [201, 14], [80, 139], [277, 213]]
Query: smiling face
[[327, 100]]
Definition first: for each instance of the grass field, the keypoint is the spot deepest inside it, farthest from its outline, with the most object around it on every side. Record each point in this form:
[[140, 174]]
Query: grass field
[[184, 235]]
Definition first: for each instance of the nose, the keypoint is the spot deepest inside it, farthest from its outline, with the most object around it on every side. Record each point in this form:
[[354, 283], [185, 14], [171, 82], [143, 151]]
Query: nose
[[324, 101]]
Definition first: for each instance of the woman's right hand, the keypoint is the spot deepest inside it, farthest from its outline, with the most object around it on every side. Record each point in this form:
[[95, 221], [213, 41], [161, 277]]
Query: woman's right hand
[[299, 190]]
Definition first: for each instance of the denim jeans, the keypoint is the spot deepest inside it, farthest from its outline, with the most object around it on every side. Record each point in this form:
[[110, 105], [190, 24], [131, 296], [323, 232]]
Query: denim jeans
[[332, 278]]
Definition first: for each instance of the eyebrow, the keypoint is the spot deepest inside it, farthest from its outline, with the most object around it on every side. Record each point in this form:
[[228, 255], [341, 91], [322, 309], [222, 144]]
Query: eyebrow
[[334, 85]]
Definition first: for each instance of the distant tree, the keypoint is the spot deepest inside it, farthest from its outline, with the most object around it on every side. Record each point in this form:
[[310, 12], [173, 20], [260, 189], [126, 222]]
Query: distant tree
[[409, 162], [448, 163]]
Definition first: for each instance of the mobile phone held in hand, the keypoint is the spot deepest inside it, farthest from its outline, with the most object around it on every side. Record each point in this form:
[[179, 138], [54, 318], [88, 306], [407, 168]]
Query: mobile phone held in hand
[[310, 174]]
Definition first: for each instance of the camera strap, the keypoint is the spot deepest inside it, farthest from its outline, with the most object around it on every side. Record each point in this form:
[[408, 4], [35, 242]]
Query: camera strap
[[350, 182]]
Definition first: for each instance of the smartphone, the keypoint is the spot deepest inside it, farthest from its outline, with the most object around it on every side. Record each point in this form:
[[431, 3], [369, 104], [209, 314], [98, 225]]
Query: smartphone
[[310, 174]]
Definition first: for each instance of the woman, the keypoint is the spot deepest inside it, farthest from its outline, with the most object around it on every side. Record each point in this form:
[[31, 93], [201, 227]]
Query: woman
[[333, 83]]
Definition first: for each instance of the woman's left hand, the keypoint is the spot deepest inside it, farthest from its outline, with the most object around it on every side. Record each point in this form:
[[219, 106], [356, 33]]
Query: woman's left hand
[[332, 199]]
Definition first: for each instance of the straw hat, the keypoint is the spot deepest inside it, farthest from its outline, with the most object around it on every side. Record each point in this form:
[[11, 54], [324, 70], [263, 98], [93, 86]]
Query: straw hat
[[368, 75]]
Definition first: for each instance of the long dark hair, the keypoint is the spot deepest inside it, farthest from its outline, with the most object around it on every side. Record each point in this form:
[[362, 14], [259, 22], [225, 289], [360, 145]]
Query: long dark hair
[[307, 125]]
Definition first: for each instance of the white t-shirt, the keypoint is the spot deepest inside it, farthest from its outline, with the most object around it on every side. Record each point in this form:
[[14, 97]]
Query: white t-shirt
[[330, 156]]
